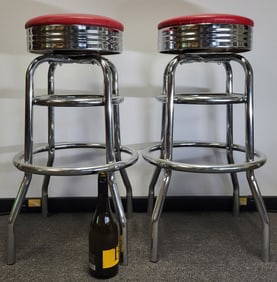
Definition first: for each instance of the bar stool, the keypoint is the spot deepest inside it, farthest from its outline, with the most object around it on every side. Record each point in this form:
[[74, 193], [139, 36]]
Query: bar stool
[[68, 39], [206, 38]]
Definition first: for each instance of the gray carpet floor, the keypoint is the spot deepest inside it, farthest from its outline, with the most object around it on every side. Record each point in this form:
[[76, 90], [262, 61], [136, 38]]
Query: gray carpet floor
[[194, 246]]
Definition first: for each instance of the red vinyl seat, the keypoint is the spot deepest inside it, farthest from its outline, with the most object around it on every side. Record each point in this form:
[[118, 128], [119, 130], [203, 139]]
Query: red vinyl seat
[[73, 19], [206, 18]]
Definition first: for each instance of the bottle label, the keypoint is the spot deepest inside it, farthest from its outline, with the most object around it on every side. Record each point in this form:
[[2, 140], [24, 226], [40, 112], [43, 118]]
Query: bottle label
[[110, 257]]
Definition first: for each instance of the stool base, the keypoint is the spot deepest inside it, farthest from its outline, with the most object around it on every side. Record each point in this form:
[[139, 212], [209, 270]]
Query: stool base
[[112, 146], [253, 158], [265, 252]]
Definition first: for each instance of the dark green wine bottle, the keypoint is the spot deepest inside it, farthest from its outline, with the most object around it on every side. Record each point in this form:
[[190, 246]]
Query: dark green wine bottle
[[103, 235]]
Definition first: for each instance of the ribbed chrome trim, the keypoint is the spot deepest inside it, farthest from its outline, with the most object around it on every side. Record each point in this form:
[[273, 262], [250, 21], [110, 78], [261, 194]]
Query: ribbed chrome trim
[[73, 38], [205, 38]]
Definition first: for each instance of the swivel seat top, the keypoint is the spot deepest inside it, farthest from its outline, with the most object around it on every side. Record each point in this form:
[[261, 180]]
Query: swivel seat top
[[79, 19], [74, 33], [205, 33], [206, 18]]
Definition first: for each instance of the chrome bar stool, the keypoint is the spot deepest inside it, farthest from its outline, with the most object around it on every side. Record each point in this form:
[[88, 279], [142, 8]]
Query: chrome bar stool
[[68, 39], [210, 39]]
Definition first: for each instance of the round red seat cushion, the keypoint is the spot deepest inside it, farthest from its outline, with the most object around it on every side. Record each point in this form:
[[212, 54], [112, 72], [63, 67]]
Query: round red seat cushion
[[206, 18], [71, 19]]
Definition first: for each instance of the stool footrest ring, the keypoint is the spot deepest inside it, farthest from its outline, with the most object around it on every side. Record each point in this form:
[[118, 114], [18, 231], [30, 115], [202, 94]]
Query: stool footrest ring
[[70, 171], [259, 161], [74, 100], [206, 98]]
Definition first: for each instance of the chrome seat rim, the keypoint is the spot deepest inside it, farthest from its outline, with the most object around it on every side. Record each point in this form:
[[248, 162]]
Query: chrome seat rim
[[57, 38], [206, 37]]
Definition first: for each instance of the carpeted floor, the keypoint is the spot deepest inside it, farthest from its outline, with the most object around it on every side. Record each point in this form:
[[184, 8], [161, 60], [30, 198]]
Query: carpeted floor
[[194, 246]]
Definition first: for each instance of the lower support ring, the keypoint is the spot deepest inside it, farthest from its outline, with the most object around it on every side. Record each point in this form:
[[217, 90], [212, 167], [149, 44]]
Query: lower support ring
[[18, 161], [259, 161]]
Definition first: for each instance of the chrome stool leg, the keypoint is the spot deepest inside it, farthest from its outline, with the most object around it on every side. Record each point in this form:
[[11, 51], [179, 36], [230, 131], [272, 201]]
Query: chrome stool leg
[[117, 140], [122, 219], [110, 149], [151, 192], [157, 171], [167, 125], [157, 214], [127, 184], [235, 182], [250, 154], [13, 215], [167, 149], [229, 139], [263, 215], [51, 140], [129, 192], [123, 172], [23, 161], [28, 157], [254, 159]]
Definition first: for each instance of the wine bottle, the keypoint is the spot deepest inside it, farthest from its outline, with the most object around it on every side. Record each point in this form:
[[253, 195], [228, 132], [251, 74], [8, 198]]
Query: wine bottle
[[103, 235]]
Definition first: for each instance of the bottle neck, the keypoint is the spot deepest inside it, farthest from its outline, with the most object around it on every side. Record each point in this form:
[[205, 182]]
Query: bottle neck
[[103, 195]]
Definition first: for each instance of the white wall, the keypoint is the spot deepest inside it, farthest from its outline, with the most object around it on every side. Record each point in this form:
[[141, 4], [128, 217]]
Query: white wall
[[140, 70]]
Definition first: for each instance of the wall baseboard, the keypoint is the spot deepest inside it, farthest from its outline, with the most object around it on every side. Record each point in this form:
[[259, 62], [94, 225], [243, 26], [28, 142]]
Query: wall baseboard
[[172, 204]]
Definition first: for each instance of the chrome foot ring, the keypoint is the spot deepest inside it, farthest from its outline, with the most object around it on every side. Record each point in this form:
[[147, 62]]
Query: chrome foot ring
[[70, 171]]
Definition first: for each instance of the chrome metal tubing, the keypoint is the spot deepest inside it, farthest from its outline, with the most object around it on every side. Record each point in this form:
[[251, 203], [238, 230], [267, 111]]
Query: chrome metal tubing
[[74, 39], [117, 140], [122, 218], [109, 114], [13, 215], [250, 153], [51, 140], [70, 171], [263, 214], [151, 191], [249, 109], [169, 79], [27, 156], [205, 37], [229, 138], [157, 171], [167, 149], [29, 95], [73, 100], [110, 148], [254, 159], [23, 161], [259, 161], [157, 214], [206, 98]]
